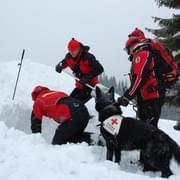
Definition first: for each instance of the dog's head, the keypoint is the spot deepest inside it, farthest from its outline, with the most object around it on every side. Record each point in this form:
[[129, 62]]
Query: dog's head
[[104, 99]]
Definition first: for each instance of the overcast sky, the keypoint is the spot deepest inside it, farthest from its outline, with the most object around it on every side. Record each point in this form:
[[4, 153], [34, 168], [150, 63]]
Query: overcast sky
[[43, 28]]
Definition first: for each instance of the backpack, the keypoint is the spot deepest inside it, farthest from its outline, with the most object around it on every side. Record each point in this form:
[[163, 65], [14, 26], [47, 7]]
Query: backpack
[[166, 69]]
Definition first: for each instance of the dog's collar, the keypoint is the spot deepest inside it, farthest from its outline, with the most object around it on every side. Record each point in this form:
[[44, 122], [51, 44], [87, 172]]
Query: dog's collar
[[107, 107]]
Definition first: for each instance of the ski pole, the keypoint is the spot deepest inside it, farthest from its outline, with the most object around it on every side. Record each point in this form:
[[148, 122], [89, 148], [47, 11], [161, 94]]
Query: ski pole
[[19, 64], [93, 93]]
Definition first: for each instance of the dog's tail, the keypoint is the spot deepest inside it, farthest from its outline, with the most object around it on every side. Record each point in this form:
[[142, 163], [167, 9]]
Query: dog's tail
[[176, 150]]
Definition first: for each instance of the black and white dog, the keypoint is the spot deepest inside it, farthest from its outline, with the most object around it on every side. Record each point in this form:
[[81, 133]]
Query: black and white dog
[[124, 133]]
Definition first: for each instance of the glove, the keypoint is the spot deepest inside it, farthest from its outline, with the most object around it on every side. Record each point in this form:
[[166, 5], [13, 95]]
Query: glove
[[122, 101], [35, 124], [85, 79], [58, 68]]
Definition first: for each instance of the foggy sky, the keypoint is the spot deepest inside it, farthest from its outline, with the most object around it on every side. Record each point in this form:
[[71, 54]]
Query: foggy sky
[[43, 28]]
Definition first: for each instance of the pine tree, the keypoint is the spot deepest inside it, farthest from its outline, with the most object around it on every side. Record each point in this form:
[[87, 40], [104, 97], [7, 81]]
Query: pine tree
[[169, 33], [120, 87], [169, 3]]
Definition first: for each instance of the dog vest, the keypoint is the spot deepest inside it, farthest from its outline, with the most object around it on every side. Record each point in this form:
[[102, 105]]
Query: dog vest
[[113, 124]]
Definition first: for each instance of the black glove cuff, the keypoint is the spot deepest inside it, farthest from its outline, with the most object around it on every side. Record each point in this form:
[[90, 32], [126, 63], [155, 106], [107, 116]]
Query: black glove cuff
[[59, 68], [124, 101], [35, 124]]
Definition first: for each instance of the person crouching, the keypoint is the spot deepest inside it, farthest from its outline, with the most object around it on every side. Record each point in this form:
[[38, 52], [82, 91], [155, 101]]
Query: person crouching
[[70, 113]]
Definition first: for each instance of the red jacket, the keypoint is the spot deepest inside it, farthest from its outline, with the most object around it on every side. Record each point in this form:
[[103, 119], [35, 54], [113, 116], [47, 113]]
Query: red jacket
[[84, 65], [143, 80], [46, 105]]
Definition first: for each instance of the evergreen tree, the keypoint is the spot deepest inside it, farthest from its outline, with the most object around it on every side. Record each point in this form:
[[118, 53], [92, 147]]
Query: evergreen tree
[[169, 3], [169, 33], [120, 87]]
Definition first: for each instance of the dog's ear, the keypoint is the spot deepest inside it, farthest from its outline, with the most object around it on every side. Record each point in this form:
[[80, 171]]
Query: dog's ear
[[111, 92], [98, 92]]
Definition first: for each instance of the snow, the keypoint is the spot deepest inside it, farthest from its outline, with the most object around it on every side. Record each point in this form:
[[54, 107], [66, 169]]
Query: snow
[[26, 156]]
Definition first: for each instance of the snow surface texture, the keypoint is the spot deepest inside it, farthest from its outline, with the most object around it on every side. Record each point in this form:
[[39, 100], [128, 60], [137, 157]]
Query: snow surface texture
[[26, 156]]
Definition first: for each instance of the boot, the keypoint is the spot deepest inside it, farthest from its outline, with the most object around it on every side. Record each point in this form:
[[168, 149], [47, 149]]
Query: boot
[[177, 126]]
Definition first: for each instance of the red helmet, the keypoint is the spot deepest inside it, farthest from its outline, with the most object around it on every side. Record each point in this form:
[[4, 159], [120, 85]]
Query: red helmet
[[132, 41], [137, 33], [73, 45], [37, 90]]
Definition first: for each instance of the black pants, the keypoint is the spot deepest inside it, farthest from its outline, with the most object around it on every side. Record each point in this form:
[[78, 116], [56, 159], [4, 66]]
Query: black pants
[[72, 130], [83, 95], [150, 111]]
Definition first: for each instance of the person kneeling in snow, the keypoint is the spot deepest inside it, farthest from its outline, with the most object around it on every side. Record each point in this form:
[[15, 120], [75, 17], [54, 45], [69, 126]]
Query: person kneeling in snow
[[70, 113]]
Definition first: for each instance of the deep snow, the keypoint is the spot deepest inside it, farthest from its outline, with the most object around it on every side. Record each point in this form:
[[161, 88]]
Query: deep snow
[[26, 156]]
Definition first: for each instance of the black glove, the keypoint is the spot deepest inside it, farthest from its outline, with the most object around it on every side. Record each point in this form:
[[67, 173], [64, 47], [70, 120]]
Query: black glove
[[85, 79], [122, 101], [58, 68], [35, 124]]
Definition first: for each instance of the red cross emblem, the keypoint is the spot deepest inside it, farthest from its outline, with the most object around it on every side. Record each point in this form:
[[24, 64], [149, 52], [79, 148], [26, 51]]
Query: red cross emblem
[[114, 121]]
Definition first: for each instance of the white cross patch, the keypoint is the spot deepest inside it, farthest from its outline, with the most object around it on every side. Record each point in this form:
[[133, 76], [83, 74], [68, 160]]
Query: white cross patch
[[113, 124]]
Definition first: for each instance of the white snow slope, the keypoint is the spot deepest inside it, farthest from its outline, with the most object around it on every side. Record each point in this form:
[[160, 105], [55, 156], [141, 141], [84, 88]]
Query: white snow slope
[[26, 156]]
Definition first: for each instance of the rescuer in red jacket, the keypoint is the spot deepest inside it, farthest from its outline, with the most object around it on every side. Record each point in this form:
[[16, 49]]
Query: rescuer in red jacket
[[144, 87], [144, 83], [70, 113], [84, 66]]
